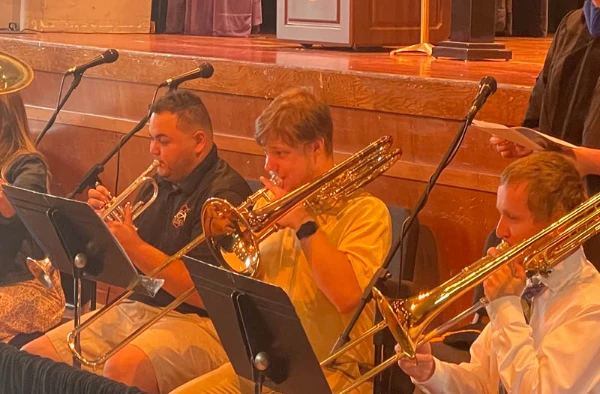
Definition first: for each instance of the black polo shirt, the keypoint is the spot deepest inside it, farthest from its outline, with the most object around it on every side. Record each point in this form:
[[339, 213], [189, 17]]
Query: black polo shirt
[[16, 244], [173, 220]]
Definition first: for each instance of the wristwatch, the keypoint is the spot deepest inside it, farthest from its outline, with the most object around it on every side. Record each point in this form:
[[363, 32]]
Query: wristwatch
[[307, 229]]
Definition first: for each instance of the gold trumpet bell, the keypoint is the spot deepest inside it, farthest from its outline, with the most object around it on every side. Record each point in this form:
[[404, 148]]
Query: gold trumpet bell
[[397, 319]]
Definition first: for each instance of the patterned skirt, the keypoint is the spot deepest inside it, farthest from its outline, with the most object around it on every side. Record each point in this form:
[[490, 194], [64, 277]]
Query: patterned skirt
[[29, 307]]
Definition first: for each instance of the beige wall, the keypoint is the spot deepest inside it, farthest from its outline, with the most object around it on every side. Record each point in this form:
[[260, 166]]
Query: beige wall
[[87, 16], [9, 12]]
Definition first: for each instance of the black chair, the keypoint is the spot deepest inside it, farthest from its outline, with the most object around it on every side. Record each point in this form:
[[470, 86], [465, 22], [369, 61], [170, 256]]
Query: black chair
[[254, 184], [409, 246], [418, 248]]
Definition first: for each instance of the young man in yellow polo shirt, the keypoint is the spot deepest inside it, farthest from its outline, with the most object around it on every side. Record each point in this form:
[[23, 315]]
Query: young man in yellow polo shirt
[[326, 255]]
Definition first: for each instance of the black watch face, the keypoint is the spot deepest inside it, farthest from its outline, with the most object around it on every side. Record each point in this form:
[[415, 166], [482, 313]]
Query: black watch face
[[307, 229]]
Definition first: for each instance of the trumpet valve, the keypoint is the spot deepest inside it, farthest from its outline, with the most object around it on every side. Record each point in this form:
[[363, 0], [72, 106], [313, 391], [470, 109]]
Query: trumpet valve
[[138, 205]]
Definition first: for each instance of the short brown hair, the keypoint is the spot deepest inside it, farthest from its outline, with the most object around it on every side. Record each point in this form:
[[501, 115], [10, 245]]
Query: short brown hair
[[552, 182], [296, 116], [189, 108]]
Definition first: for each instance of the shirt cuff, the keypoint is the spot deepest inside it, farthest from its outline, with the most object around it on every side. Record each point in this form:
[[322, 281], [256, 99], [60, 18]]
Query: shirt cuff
[[436, 380], [505, 310]]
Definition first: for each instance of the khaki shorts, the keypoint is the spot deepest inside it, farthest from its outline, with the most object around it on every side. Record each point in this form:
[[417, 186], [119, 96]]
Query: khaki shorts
[[181, 347], [225, 381]]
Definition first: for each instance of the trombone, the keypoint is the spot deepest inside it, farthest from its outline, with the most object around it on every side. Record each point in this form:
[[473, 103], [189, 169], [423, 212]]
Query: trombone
[[235, 232], [408, 318]]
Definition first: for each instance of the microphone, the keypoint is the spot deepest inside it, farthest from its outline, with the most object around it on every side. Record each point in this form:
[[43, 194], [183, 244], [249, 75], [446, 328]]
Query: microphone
[[109, 56], [206, 70], [487, 87]]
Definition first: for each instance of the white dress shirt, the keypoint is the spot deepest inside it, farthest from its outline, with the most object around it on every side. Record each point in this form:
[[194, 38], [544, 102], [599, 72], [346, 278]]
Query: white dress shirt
[[558, 352]]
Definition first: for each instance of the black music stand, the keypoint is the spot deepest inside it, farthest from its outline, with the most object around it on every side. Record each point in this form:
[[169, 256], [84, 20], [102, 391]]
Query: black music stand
[[77, 241], [259, 329]]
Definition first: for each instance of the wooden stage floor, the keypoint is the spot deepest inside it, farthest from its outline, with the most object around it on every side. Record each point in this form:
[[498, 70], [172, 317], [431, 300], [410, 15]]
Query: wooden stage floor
[[528, 55], [419, 101]]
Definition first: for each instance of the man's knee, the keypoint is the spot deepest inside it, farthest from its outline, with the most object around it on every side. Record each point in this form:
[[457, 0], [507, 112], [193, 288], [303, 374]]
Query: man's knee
[[43, 347], [132, 366]]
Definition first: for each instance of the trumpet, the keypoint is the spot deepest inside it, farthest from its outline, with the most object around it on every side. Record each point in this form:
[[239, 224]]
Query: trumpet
[[42, 269], [235, 232], [114, 210], [408, 318]]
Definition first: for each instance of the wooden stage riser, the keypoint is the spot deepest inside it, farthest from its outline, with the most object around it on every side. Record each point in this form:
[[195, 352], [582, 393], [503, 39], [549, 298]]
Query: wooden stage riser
[[116, 106], [418, 100], [459, 217], [435, 98]]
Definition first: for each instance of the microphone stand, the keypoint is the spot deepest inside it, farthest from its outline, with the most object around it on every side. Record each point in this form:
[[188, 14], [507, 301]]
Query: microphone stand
[[382, 273], [61, 103], [90, 179]]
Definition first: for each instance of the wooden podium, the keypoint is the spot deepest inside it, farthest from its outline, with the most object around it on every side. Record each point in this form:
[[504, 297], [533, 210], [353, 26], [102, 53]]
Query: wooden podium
[[360, 23], [82, 16]]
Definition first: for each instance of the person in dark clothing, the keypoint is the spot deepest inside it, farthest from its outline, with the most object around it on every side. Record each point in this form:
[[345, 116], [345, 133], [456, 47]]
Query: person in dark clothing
[[184, 344], [26, 306], [564, 102]]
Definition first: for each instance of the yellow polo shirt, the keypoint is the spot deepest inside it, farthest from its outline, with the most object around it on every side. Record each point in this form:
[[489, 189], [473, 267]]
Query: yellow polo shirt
[[361, 228]]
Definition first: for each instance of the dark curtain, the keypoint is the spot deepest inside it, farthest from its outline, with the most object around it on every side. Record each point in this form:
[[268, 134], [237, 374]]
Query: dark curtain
[[531, 18], [230, 18]]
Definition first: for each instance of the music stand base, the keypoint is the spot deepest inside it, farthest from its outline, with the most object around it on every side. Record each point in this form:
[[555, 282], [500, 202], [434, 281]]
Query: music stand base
[[422, 47], [472, 50]]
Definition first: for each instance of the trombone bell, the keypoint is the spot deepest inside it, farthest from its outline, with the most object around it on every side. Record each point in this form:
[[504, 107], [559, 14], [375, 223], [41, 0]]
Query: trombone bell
[[230, 237], [235, 232], [395, 315]]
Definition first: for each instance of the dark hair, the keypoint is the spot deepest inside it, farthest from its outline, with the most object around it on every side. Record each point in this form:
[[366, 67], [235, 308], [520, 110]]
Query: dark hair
[[296, 116], [189, 108], [552, 182]]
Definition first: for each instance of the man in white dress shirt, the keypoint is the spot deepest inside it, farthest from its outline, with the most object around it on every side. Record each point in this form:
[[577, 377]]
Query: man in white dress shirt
[[559, 350]]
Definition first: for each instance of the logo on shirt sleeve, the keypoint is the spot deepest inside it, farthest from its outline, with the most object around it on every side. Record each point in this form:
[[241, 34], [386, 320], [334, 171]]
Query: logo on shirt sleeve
[[180, 216]]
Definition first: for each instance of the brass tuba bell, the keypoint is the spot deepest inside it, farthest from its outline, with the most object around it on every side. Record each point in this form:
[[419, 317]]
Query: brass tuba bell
[[15, 74]]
